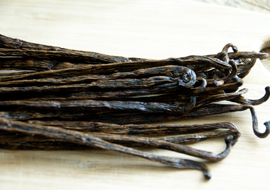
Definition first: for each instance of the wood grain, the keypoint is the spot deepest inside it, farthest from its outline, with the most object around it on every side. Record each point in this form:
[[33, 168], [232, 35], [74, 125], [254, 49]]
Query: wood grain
[[260, 6], [150, 29]]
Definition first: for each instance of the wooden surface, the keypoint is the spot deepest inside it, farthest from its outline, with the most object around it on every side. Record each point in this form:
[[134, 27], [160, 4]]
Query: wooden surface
[[151, 29], [261, 6]]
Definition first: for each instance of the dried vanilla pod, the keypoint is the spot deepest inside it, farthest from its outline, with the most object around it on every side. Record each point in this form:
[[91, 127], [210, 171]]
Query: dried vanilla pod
[[141, 130], [26, 64], [111, 68], [100, 84], [135, 129], [88, 139], [110, 94], [22, 115], [76, 99], [186, 77], [96, 105], [29, 142], [153, 142]]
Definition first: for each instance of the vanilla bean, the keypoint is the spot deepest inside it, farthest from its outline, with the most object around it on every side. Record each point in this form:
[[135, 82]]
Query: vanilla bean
[[77, 99], [18, 140], [133, 129], [254, 102], [255, 125], [186, 76], [243, 55], [7, 42], [41, 114], [100, 84], [26, 64], [141, 107], [150, 142], [107, 94], [206, 110], [220, 97], [195, 138], [86, 139]]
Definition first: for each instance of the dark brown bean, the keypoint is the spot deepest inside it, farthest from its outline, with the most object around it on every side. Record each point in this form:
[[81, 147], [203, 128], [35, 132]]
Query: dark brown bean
[[133, 129], [90, 140], [186, 76], [141, 107]]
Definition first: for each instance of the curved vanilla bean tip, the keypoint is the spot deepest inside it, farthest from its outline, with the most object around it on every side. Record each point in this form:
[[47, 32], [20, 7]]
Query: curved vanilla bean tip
[[183, 164], [223, 55], [201, 87], [216, 157], [207, 175], [180, 163], [263, 99], [267, 124], [235, 138], [195, 165], [224, 154], [227, 46], [187, 79], [255, 125], [228, 140]]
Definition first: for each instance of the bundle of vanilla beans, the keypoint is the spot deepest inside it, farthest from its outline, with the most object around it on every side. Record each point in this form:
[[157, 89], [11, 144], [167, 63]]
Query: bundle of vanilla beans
[[69, 99]]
